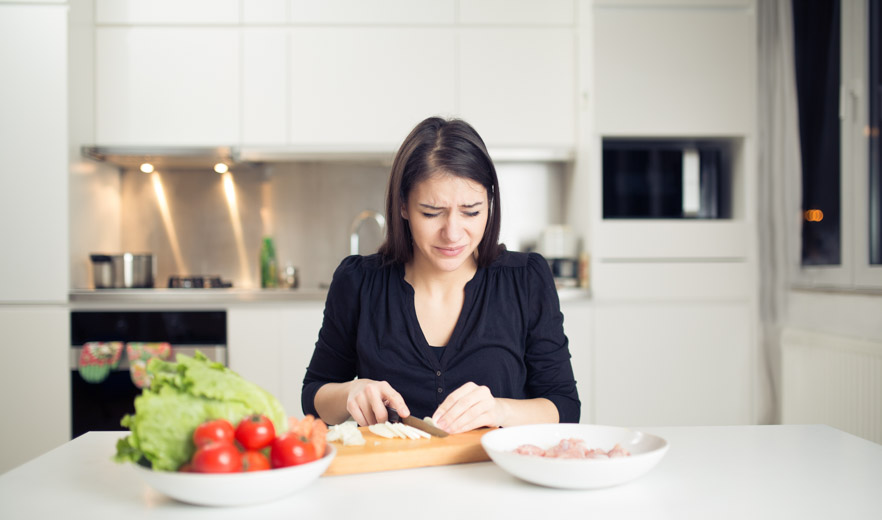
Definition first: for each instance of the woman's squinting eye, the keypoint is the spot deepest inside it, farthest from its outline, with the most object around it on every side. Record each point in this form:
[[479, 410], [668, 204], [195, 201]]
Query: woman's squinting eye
[[430, 215], [471, 213]]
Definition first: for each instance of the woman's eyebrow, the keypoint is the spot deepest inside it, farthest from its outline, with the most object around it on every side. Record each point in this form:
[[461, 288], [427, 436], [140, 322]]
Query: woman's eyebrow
[[467, 206]]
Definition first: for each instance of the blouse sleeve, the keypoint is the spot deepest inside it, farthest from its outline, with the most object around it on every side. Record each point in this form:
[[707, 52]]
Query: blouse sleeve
[[334, 358], [549, 370]]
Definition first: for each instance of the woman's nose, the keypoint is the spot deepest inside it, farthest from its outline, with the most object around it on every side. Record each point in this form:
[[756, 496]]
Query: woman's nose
[[452, 230]]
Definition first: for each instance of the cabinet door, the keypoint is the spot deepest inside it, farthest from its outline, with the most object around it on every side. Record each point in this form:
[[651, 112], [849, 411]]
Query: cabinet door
[[368, 12], [34, 265], [34, 379], [368, 87], [517, 12], [254, 341], [272, 346], [578, 326], [300, 329], [517, 86], [666, 364], [264, 86], [167, 86], [674, 71], [194, 12]]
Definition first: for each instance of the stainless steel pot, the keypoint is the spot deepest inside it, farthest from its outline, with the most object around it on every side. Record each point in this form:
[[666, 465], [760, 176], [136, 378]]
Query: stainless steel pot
[[123, 271]]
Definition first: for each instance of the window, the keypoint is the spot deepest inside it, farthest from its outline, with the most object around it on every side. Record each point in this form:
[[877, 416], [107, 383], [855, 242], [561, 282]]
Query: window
[[837, 60], [875, 96]]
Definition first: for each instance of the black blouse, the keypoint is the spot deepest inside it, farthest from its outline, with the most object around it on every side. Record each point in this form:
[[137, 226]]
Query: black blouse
[[509, 336]]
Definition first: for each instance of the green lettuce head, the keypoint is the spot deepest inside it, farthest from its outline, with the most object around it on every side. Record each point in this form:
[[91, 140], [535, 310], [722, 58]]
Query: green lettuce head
[[182, 396]]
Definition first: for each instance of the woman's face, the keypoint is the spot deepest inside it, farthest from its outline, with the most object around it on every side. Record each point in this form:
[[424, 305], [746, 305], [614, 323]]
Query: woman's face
[[447, 216]]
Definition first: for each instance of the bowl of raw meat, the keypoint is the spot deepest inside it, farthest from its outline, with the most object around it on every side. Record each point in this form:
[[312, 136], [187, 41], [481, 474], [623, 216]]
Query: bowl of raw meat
[[574, 456]]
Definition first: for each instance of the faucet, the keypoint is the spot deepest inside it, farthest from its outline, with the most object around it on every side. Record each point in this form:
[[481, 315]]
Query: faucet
[[356, 227]]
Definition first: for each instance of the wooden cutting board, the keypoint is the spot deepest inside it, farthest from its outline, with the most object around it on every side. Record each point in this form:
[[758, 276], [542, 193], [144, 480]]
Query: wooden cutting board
[[381, 454]]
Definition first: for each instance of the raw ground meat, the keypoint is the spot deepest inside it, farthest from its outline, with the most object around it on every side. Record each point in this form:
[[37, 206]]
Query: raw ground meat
[[572, 449]]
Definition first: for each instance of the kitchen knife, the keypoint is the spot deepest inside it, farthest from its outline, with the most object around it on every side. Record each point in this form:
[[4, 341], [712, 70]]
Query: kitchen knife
[[415, 422]]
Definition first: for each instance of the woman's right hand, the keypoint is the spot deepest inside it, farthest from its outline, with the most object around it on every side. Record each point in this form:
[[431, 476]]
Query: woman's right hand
[[367, 401]]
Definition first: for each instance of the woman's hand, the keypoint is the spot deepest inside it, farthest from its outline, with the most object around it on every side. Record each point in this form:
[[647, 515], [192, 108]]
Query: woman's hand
[[367, 400], [468, 407]]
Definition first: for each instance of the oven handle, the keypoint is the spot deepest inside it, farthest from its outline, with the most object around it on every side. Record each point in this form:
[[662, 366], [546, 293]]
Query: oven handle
[[217, 353]]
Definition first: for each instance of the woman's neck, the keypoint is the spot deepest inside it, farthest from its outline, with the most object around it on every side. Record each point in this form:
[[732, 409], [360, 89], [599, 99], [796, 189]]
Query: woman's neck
[[422, 276]]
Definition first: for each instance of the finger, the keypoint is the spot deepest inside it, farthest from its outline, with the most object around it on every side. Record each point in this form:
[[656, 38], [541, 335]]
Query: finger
[[355, 411], [476, 416], [472, 410], [394, 400], [451, 400]]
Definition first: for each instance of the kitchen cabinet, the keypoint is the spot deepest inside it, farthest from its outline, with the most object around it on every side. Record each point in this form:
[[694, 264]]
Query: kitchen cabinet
[[579, 328], [373, 12], [191, 12], [517, 86], [34, 379], [272, 346], [364, 87], [674, 70], [167, 86], [265, 86], [669, 363], [34, 266], [517, 12]]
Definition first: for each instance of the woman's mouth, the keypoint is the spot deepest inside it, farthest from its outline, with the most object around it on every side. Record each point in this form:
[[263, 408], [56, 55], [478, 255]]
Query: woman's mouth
[[450, 251]]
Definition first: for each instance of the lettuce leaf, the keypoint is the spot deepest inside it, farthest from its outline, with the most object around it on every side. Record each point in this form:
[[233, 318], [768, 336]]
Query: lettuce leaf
[[183, 395]]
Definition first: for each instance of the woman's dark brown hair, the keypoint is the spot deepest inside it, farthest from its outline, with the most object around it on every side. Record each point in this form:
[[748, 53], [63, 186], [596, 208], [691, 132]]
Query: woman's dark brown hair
[[436, 145]]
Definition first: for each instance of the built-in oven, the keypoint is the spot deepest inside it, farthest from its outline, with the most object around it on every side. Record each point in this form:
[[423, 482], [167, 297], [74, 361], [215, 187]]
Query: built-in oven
[[100, 406]]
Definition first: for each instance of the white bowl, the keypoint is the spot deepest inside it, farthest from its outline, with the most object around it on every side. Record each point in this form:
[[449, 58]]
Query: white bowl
[[236, 489], [646, 451]]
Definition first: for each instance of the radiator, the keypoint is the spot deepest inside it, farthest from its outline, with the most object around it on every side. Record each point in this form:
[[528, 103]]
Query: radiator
[[832, 380]]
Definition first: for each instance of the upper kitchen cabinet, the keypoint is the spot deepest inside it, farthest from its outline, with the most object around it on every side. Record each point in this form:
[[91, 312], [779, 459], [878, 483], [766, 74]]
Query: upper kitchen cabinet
[[167, 86], [34, 147], [516, 12], [517, 86], [264, 86], [364, 87], [167, 12], [370, 12], [683, 70]]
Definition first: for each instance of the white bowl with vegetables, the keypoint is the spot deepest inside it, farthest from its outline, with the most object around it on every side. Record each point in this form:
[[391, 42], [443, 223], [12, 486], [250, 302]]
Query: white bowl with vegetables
[[204, 435], [236, 489]]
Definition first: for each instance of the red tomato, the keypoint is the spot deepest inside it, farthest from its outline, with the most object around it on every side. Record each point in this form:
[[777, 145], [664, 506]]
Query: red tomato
[[215, 430], [253, 460], [255, 432], [290, 450], [217, 457]]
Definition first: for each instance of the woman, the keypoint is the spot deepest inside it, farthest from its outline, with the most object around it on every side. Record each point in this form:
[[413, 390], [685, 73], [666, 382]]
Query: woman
[[443, 321]]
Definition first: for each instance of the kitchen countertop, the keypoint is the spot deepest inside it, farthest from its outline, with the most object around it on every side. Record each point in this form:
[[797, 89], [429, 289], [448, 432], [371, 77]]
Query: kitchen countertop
[[228, 296], [804, 471]]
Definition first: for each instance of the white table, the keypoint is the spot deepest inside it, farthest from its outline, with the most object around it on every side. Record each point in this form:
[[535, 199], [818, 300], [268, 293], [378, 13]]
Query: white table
[[709, 472]]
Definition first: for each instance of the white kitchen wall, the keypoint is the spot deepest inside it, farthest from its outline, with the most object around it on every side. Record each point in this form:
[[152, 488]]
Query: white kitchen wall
[[307, 207]]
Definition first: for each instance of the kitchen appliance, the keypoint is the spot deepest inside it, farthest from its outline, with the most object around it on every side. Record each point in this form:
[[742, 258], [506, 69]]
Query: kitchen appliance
[[123, 270], [178, 281], [101, 406], [560, 247], [666, 179]]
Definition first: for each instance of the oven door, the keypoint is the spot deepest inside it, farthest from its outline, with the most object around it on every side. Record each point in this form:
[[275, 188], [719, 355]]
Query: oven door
[[101, 406]]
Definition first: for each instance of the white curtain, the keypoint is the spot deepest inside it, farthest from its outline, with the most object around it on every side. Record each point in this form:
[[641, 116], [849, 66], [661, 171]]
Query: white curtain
[[780, 191]]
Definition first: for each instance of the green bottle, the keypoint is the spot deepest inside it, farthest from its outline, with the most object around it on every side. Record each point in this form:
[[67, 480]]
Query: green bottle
[[268, 264]]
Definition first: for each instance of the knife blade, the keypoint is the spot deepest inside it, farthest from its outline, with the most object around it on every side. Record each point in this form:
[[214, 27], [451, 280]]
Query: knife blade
[[415, 422]]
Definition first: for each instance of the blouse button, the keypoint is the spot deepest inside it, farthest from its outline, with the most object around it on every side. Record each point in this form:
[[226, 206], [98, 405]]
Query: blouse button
[[440, 390], [438, 373]]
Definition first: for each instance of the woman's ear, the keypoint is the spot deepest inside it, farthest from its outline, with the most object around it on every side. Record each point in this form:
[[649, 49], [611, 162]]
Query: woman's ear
[[404, 211]]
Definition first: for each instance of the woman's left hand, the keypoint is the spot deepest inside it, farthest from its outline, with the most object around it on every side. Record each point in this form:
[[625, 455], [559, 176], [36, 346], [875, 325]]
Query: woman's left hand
[[468, 407]]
